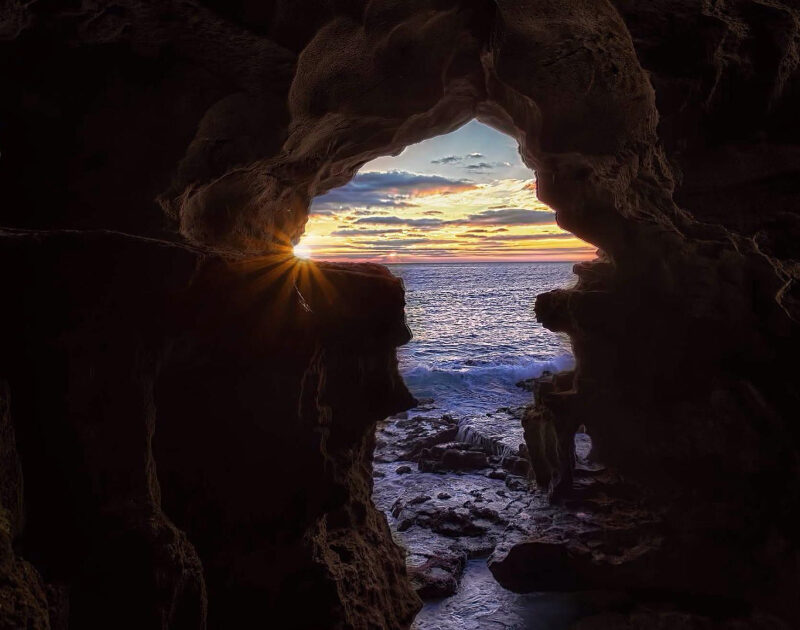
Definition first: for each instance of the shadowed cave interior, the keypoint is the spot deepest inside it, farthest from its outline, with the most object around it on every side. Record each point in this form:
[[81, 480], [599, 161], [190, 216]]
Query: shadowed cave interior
[[188, 413]]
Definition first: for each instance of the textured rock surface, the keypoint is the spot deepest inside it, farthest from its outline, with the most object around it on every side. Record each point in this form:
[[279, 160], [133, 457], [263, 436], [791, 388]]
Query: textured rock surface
[[259, 451], [663, 132], [443, 513]]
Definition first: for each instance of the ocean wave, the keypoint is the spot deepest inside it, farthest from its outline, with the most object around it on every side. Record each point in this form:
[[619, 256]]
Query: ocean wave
[[427, 379]]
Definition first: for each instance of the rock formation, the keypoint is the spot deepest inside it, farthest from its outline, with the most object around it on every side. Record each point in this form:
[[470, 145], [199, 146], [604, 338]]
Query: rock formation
[[163, 360]]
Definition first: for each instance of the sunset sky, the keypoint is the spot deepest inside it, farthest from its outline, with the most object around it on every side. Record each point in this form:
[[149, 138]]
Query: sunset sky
[[465, 196]]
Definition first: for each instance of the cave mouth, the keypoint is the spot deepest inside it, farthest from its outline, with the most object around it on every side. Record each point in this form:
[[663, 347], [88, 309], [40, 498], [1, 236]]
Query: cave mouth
[[456, 217]]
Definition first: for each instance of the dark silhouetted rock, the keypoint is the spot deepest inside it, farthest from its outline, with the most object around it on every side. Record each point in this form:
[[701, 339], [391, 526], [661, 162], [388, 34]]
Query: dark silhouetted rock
[[159, 381]]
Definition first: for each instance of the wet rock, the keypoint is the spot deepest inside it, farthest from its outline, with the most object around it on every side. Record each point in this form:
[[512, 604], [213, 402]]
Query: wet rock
[[453, 459], [444, 495], [431, 581], [452, 456], [403, 470], [425, 404], [497, 474], [403, 439], [518, 484], [515, 412], [454, 523], [600, 539], [516, 465], [526, 384], [443, 436], [438, 576]]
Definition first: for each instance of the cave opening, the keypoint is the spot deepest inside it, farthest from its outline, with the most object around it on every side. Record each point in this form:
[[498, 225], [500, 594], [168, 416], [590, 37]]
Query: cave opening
[[457, 218], [185, 444]]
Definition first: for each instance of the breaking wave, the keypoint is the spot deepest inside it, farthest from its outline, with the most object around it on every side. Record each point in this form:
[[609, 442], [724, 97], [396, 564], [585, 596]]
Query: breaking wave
[[472, 377]]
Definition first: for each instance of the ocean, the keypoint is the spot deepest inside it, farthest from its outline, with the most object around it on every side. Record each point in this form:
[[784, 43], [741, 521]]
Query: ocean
[[475, 334]]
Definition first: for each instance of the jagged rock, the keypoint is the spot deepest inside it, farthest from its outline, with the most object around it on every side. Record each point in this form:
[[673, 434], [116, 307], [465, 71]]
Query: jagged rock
[[443, 436], [600, 539], [403, 439], [518, 484], [438, 576], [89, 458], [663, 132], [452, 522], [453, 459], [526, 384], [516, 465]]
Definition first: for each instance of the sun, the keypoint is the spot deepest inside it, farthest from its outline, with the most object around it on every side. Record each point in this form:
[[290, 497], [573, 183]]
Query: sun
[[302, 251]]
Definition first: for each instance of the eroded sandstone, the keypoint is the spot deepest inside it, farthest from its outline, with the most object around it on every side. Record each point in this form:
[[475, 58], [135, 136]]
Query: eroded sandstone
[[663, 132]]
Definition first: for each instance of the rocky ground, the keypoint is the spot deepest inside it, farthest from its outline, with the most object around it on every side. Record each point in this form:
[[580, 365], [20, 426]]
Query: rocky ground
[[486, 550], [449, 487], [455, 489]]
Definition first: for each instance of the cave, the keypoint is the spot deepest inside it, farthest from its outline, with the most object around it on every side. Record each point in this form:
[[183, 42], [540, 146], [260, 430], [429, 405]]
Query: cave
[[187, 418], [457, 220]]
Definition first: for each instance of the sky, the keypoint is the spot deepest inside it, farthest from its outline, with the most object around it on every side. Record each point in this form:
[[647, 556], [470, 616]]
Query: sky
[[464, 196]]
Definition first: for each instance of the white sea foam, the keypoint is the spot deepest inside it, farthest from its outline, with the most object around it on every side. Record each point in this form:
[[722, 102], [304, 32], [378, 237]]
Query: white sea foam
[[466, 374], [452, 385]]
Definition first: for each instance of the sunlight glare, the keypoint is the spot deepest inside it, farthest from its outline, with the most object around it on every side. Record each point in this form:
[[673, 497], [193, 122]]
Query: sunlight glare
[[302, 251]]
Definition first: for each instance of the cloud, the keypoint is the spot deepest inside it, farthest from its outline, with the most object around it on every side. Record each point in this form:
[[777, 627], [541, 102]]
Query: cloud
[[527, 237], [506, 216], [512, 216], [450, 159], [392, 220], [432, 212], [406, 242], [485, 236], [386, 189], [486, 166], [363, 232], [367, 213], [480, 166]]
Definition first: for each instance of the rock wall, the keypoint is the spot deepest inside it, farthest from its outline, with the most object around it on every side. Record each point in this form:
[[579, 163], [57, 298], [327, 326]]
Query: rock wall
[[686, 330], [154, 382], [195, 437]]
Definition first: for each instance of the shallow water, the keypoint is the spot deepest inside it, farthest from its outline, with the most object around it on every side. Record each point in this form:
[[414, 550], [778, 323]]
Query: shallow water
[[482, 604]]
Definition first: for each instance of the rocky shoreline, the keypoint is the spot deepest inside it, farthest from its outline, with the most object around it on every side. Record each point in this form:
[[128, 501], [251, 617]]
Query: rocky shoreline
[[460, 500], [447, 493]]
